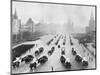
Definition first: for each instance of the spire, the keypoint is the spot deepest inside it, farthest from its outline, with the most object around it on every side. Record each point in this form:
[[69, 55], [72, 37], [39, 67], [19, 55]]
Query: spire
[[91, 22], [92, 17], [15, 15]]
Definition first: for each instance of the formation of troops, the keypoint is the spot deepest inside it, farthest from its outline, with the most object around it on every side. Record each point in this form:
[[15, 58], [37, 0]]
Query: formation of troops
[[35, 60]]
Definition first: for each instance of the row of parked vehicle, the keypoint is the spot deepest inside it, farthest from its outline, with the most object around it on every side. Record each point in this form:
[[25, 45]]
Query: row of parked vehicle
[[38, 62], [49, 42], [64, 40], [51, 51], [42, 59], [39, 51], [56, 43], [27, 59], [71, 43], [65, 61], [79, 59]]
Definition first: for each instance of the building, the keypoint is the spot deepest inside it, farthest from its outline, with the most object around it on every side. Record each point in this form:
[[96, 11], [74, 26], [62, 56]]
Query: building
[[29, 26], [15, 24], [91, 26]]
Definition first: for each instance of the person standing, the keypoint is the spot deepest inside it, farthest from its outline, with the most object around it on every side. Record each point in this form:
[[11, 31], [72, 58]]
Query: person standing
[[52, 68]]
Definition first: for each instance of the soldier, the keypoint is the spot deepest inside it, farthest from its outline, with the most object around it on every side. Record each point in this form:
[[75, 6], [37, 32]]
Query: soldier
[[52, 68]]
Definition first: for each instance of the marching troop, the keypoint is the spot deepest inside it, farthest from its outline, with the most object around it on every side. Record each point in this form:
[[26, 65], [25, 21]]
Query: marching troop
[[34, 62]]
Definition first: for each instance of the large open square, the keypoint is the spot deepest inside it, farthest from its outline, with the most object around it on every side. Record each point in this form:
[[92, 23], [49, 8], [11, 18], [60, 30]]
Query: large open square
[[50, 37]]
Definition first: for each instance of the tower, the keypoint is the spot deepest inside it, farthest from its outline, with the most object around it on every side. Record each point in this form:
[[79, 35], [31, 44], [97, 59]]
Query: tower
[[15, 15], [15, 25], [91, 26], [92, 23]]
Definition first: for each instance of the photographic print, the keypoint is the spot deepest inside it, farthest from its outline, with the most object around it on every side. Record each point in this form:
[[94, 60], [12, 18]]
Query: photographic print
[[52, 37]]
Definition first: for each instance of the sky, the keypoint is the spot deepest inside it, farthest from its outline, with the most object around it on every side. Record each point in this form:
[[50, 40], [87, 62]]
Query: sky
[[53, 13]]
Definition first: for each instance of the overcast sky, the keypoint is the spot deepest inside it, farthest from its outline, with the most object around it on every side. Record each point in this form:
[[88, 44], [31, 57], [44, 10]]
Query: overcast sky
[[53, 13]]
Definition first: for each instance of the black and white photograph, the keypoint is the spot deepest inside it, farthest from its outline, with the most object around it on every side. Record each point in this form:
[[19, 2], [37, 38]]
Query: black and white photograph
[[52, 37]]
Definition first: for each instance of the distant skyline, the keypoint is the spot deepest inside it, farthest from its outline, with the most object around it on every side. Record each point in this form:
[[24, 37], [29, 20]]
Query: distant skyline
[[53, 13]]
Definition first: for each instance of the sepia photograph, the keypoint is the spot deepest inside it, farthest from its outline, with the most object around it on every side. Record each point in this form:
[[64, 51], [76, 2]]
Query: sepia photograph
[[52, 37]]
